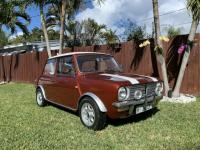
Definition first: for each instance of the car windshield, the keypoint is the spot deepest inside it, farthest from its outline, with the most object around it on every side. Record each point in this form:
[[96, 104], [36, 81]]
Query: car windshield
[[92, 63]]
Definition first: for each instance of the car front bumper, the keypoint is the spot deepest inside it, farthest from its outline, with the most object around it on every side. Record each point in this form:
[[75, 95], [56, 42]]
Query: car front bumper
[[136, 102], [132, 104]]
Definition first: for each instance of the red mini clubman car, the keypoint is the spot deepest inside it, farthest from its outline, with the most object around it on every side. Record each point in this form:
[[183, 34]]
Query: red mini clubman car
[[94, 85]]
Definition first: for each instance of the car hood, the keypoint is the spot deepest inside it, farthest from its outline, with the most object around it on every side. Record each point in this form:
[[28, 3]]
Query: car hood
[[123, 78]]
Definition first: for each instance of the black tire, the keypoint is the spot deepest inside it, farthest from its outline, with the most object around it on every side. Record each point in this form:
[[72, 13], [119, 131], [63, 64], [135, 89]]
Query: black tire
[[100, 117], [40, 100]]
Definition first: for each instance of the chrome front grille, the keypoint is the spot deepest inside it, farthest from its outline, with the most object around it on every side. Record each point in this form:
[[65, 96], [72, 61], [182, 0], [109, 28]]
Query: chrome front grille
[[147, 90], [137, 87], [150, 89]]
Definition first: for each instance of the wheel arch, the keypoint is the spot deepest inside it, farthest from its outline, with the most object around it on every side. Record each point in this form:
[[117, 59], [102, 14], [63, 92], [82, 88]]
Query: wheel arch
[[42, 89], [95, 98]]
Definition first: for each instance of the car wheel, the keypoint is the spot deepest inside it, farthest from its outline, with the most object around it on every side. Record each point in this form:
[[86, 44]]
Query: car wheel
[[90, 115], [40, 98]]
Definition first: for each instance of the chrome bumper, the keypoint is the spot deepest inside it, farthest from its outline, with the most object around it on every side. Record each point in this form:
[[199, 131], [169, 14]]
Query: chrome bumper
[[125, 104]]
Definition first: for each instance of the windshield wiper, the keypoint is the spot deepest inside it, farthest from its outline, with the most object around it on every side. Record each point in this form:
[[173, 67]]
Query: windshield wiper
[[112, 70]]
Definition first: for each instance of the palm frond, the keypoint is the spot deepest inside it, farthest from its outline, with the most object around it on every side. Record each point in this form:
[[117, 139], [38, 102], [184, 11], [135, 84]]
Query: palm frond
[[23, 15], [194, 7], [22, 27], [100, 2], [51, 22], [10, 12], [12, 29]]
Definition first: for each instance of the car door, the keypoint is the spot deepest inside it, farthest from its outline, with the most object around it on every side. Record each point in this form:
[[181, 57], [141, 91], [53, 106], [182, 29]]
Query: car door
[[66, 84], [48, 78]]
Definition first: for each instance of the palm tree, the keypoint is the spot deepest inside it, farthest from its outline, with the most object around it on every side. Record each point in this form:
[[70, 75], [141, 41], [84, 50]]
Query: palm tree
[[138, 33], [53, 15], [69, 8], [62, 20], [158, 44], [110, 37], [172, 31], [11, 13], [73, 32], [57, 14], [3, 39], [11, 16], [41, 4], [92, 31], [68, 5], [60, 11], [194, 7]]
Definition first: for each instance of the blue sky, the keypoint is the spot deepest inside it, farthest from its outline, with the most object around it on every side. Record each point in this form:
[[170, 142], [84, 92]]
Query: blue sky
[[113, 12], [35, 17], [34, 13], [35, 20]]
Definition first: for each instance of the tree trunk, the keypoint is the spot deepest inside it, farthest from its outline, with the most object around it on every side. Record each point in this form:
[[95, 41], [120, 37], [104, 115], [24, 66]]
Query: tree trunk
[[160, 57], [62, 22], [176, 92], [45, 30]]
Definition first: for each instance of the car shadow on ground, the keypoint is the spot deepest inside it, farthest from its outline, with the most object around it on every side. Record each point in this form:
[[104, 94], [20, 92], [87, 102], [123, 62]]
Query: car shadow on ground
[[133, 119], [115, 122], [62, 108]]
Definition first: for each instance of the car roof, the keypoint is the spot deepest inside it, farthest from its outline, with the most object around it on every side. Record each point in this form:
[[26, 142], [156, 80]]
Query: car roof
[[76, 53]]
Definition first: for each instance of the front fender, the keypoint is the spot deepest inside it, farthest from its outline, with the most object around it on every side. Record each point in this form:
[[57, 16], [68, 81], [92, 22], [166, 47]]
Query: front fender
[[96, 99]]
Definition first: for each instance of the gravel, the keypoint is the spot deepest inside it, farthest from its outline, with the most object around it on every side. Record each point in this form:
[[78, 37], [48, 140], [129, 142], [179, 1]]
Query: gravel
[[184, 98]]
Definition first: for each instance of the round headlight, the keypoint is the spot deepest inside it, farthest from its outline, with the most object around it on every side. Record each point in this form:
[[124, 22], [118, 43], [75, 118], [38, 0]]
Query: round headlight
[[138, 94], [159, 88], [122, 93]]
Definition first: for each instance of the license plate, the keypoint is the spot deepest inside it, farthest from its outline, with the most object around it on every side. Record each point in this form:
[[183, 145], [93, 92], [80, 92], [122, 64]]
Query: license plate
[[141, 109], [149, 107]]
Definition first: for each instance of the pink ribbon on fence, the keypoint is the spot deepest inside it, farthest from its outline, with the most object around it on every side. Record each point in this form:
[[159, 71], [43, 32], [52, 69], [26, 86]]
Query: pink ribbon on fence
[[182, 48]]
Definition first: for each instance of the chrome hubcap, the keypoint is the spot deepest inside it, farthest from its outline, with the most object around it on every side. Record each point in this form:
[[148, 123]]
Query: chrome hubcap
[[87, 114], [39, 98]]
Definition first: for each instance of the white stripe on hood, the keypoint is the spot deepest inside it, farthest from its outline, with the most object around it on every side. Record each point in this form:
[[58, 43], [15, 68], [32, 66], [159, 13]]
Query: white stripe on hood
[[132, 80], [152, 78]]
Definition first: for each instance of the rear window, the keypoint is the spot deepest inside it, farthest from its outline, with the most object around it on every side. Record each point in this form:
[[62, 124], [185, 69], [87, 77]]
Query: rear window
[[50, 67]]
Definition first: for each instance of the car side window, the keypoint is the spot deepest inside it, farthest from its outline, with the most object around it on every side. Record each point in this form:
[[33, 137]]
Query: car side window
[[50, 67], [65, 66], [89, 66]]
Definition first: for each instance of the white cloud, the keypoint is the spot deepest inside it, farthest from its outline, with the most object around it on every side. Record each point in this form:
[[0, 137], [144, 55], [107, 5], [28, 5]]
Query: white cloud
[[15, 35], [113, 11]]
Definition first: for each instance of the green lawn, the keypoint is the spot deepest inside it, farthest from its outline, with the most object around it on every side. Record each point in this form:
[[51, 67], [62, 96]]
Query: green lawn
[[23, 125]]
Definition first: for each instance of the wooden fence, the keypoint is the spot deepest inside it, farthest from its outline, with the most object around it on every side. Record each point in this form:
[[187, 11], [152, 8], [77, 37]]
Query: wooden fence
[[28, 67]]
